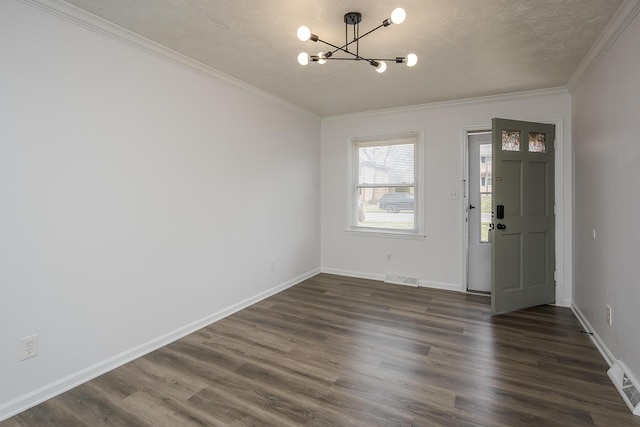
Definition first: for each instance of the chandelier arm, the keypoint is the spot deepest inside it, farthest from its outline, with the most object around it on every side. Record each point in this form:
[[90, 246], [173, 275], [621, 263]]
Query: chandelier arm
[[367, 33], [355, 56], [362, 59], [342, 49], [345, 47]]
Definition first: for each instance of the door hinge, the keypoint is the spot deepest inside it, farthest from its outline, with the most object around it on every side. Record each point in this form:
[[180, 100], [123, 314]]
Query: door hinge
[[555, 208], [555, 276]]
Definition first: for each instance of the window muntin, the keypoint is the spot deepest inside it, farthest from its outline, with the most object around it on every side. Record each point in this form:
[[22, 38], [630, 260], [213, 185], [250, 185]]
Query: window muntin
[[384, 196]]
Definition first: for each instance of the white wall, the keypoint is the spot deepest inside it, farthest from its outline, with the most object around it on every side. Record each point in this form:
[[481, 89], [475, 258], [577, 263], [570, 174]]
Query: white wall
[[138, 199], [438, 259], [606, 114]]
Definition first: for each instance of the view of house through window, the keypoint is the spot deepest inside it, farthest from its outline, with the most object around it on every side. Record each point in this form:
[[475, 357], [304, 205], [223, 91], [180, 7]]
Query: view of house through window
[[384, 191]]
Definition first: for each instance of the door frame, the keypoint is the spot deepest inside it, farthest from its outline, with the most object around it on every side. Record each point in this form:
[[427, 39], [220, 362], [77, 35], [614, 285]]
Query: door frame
[[563, 221], [466, 193]]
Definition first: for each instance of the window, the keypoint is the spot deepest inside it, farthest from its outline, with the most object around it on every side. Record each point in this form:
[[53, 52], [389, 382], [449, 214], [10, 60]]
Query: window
[[383, 191]]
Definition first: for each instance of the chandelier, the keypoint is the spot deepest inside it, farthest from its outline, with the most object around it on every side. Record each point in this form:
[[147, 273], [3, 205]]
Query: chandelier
[[353, 18]]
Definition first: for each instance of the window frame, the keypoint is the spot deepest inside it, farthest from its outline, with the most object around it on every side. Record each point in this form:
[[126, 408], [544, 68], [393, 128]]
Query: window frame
[[353, 185]]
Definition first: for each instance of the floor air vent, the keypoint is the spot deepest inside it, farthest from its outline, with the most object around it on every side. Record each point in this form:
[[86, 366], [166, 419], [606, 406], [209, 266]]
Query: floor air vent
[[626, 386], [401, 280]]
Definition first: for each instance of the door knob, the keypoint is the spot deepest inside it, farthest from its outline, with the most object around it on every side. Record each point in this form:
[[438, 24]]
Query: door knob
[[471, 207], [501, 227]]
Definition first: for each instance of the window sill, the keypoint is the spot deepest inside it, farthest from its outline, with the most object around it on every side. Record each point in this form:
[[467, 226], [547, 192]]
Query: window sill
[[386, 234]]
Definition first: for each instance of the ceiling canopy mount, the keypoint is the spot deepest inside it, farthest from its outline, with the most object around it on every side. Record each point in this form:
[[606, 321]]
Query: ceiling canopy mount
[[352, 18]]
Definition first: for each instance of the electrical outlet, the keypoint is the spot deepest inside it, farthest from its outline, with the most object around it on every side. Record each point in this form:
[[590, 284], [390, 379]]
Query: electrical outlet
[[29, 347], [609, 314]]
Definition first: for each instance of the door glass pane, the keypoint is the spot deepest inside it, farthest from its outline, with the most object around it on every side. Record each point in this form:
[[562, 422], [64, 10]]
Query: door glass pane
[[537, 142], [485, 216], [485, 191], [510, 140]]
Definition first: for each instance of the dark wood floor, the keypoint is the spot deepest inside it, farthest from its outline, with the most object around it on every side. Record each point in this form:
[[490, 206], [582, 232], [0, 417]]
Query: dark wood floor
[[336, 351]]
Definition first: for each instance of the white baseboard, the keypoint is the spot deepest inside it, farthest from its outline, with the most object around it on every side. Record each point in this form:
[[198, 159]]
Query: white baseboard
[[442, 285], [33, 398], [565, 303], [356, 274], [600, 345], [381, 277]]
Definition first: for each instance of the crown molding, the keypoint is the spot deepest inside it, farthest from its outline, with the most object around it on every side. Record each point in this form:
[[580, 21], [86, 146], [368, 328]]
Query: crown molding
[[623, 17], [101, 26], [454, 103]]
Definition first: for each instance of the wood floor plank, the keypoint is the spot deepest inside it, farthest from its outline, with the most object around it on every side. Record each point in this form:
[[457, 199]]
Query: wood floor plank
[[335, 351], [98, 406]]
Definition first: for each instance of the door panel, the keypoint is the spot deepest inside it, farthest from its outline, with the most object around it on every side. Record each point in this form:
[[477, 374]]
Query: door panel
[[511, 254], [538, 196], [511, 187], [523, 251], [536, 261]]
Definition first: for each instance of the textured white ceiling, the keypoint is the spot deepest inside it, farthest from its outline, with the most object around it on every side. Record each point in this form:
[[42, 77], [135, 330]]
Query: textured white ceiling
[[466, 48]]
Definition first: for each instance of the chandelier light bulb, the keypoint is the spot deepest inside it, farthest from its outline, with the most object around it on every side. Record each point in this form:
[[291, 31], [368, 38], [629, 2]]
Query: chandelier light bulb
[[322, 59], [303, 58], [304, 33], [382, 66], [412, 59], [397, 16]]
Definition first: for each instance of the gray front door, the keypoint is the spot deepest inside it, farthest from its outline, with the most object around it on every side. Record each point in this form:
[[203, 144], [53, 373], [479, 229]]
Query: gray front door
[[523, 247]]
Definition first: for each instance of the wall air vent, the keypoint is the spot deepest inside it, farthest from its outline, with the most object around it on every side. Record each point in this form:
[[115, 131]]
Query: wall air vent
[[626, 386], [401, 280]]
